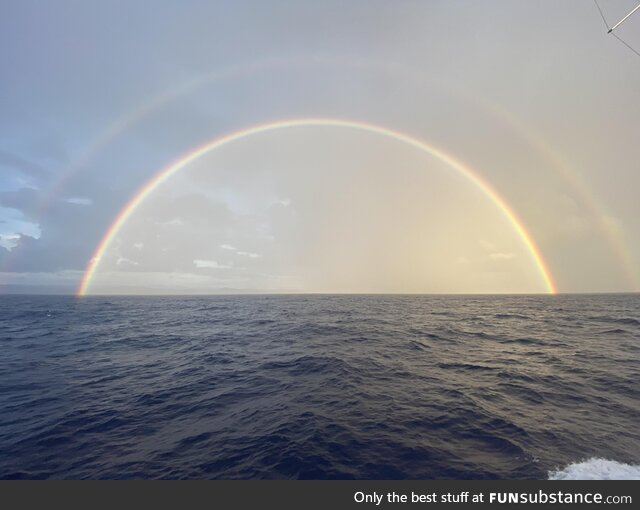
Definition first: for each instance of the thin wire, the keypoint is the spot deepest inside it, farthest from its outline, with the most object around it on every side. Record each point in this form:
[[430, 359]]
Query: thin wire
[[613, 33], [602, 14], [623, 19], [627, 45]]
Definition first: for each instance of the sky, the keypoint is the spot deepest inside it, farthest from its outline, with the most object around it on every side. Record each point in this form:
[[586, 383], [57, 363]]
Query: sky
[[464, 146]]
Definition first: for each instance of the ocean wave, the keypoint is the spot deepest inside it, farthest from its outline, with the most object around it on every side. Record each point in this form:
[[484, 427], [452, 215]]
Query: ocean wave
[[524, 341], [630, 321], [597, 469], [511, 316], [317, 387], [466, 366]]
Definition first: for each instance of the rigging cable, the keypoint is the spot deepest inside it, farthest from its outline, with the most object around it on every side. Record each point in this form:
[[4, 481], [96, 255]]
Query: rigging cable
[[610, 30]]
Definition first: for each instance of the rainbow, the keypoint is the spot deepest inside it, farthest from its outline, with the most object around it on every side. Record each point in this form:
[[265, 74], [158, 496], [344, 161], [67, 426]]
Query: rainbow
[[614, 235], [191, 156]]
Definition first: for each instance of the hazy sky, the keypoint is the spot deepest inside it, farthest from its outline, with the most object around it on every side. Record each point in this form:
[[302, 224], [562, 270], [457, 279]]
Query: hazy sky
[[534, 97]]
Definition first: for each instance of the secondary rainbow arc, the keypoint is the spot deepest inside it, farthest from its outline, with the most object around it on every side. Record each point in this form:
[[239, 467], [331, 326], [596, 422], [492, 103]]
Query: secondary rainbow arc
[[187, 158]]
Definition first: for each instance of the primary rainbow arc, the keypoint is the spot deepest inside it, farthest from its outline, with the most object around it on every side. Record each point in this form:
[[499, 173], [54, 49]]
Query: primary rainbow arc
[[180, 163]]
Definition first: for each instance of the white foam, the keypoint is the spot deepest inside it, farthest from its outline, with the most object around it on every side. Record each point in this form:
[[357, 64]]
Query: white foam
[[597, 469]]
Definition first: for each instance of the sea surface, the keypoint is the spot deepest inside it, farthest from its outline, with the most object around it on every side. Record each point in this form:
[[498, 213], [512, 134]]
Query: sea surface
[[320, 386]]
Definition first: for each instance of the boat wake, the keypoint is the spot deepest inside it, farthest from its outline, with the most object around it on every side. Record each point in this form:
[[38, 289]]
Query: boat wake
[[597, 469]]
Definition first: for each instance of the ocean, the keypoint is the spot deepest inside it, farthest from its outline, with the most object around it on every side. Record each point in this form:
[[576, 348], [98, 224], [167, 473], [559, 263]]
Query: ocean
[[320, 387]]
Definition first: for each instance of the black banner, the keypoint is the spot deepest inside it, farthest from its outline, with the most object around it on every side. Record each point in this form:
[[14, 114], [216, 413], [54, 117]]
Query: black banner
[[363, 495]]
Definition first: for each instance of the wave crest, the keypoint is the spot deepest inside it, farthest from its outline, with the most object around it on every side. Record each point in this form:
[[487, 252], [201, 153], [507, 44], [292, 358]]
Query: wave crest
[[597, 469]]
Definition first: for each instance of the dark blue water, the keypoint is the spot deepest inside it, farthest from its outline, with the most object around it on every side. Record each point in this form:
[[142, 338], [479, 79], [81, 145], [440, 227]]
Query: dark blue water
[[317, 386]]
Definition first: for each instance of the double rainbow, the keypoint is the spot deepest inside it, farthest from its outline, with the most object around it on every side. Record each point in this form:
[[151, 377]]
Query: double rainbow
[[180, 163]]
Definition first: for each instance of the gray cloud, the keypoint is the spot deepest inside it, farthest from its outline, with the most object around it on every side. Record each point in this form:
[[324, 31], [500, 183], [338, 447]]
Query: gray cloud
[[28, 168]]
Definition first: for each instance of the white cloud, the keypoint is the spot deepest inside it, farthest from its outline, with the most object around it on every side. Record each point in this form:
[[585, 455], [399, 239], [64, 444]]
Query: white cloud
[[172, 222], [210, 264], [9, 241], [249, 254], [125, 261], [240, 252], [79, 201]]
